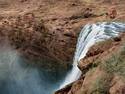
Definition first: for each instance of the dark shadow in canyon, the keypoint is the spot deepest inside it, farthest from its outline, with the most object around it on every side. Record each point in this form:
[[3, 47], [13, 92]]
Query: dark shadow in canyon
[[19, 76]]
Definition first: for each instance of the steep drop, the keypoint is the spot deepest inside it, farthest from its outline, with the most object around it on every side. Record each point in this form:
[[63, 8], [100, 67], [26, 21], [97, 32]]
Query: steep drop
[[19, 76], [90, 34]]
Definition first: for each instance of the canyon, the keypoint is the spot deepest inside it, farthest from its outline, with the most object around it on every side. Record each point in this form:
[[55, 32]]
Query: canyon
[[45, 33]]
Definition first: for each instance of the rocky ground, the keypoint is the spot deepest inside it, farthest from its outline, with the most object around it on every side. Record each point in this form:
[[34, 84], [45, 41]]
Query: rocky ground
[[48, 29]]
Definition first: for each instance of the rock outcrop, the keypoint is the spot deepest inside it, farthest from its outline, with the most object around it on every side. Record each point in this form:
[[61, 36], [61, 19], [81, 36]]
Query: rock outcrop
[[48, 29], [102, 69], [35, 41]]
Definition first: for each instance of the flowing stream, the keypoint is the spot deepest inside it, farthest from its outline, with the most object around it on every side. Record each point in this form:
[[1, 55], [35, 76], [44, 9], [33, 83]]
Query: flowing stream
[[90, 34]]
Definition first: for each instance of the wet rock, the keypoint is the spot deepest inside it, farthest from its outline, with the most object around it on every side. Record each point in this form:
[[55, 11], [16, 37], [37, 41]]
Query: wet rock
[[117, 39]]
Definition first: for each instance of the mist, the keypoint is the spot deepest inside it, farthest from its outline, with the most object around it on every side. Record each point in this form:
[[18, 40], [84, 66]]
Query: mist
[[18, 77]]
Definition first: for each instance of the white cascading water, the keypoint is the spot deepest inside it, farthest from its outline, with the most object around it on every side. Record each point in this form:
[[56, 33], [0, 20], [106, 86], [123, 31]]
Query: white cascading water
[[90, 34]]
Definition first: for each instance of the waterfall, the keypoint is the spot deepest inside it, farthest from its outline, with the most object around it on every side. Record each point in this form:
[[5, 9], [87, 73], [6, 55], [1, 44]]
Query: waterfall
[[90, 34]]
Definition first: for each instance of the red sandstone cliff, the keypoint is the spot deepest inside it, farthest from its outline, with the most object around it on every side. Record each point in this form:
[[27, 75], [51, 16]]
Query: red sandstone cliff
[[49, 29], [52, 31]]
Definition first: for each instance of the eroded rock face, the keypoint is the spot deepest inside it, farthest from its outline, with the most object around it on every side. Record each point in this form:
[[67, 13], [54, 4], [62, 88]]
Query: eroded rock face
[[54, 37], [35, 41], [62, 23]]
